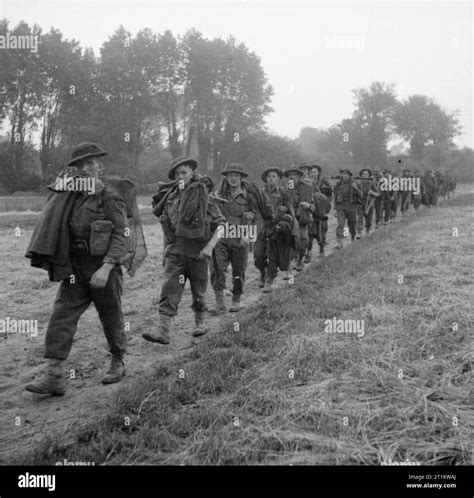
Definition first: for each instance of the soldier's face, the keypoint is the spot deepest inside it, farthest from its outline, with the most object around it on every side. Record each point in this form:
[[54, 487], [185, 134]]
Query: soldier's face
[[273, 179], [89, 167], [365, 175], [234, 179], [294, 176], [345, 176], [314, 173], [305, 172], [183, 174]]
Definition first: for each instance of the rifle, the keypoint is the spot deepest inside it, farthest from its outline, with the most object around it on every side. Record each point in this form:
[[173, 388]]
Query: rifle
[[370, 202]]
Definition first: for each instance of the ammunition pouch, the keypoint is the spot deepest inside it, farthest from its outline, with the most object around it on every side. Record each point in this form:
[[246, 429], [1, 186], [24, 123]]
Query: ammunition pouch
[[101, 232]]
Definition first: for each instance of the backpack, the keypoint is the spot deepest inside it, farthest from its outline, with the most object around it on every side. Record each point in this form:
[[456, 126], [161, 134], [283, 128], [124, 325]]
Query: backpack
[[323, 205], [126, 188]]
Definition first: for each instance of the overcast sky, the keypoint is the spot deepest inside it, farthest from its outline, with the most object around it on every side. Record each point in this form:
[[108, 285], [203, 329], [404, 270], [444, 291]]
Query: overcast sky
[[314, 53]]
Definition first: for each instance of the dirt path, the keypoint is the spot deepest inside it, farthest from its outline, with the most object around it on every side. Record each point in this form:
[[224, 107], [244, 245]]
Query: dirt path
[[27, 418]]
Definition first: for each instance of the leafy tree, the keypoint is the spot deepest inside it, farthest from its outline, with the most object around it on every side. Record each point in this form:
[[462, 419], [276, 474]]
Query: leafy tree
[[20, 87], [422, 122]]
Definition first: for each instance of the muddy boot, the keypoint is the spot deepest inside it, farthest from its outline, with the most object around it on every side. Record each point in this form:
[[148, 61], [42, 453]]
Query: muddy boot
[[162, 335], [367, 231], [235, 304], [288, 275], [220, 304], [201, 326], [115, 372], [359, 235], [268, 286], [300, 264], [308, 257], [52, 382], [261, 283], [321, 251], [339, 244]]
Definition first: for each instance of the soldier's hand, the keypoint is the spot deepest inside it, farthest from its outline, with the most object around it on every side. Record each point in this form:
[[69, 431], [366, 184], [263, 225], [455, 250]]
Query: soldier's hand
[[100, 278], [205, 252], [305, 205]]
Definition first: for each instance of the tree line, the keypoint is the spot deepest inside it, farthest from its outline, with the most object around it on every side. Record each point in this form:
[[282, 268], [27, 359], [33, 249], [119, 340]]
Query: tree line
[[151, 97]]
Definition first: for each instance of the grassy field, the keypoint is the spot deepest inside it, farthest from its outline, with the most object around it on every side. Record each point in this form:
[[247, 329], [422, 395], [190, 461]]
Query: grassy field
[[271, 386], [22, 211]]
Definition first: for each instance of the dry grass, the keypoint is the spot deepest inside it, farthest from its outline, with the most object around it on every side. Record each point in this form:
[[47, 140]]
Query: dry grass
[[403, 391]]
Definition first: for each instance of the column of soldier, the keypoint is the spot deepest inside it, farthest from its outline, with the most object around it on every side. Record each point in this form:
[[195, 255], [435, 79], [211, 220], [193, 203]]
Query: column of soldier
[[202, 228]]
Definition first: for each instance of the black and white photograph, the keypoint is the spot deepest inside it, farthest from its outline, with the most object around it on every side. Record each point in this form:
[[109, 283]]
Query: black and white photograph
[[237, 242]]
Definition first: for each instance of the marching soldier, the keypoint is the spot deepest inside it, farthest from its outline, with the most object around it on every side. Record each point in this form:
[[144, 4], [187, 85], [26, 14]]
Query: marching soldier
[[240, 210], [300, 191], [431, 188], [273, 248], [321, 181], [386, 196], [81, 239], [378, 205], [347, 196], [417, 197], [394, 202], [451, 185], [319, 228], [190, 220], [365, 210], [405, 195]]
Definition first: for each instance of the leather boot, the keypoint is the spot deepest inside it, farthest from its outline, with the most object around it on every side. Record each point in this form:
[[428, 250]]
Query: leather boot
[[300, 264], [268, 286], [52, 382], [308, 257], [220, 304], [321, 251], [339, 244], [162, 334], [115, 372], [201, 326], [235, 304], [261, 283]]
